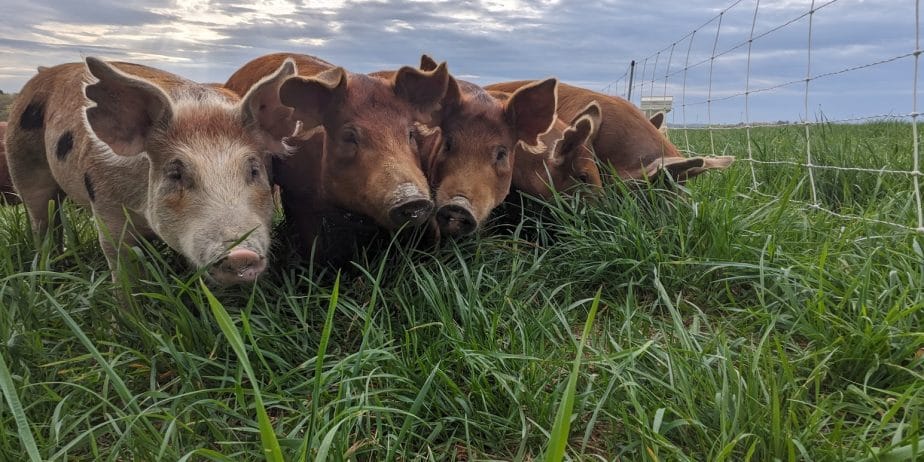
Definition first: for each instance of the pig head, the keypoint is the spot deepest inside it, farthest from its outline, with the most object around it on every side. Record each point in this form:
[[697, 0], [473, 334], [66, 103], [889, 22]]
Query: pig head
[[626, 142]]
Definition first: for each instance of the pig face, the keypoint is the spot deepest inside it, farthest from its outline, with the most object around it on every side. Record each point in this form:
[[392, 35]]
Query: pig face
[[371, 163], [568, 161], [208, 192], [205, 195], [473, 169]]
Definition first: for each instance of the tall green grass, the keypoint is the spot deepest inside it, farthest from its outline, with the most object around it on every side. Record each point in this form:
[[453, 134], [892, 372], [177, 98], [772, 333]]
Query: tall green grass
[[731, 325]]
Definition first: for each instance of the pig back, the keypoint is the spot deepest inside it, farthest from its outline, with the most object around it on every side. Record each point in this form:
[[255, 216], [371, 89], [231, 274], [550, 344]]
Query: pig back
[[251, 73]]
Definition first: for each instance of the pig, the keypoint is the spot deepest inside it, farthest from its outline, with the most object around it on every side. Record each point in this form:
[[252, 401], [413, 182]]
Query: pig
[[627, 141], [202, 184], [473, 168], [369, 164], [7, 193], [566, 161], [311, 218]]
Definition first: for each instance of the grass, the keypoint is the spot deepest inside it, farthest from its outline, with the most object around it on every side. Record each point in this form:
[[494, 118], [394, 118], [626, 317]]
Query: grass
[[732, 325], [6, 99]]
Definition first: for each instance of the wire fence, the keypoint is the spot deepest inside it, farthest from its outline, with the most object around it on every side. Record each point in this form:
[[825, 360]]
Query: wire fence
[[754, 59]]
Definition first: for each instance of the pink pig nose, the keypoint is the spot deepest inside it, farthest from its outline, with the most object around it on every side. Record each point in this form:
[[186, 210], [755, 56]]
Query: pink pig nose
[[240, 266]]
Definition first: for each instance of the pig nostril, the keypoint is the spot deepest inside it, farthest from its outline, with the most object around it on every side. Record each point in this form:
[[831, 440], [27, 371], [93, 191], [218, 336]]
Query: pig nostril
[[414, 212], [456, 220], [241, 265]]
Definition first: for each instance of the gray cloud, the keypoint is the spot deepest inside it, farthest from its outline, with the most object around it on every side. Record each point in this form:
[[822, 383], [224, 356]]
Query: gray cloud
[[491, 40]]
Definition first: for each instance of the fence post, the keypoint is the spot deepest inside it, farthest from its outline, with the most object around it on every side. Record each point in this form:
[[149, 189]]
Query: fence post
[[631, 77]]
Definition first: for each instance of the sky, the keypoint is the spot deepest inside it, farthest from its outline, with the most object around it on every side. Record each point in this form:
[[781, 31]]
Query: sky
[[589, 44]]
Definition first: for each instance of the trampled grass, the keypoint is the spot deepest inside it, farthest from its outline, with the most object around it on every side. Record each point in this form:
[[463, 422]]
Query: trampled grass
[[732, 325]]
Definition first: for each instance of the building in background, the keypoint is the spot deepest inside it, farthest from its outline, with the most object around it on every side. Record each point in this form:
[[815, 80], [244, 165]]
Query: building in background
[[651, 105]]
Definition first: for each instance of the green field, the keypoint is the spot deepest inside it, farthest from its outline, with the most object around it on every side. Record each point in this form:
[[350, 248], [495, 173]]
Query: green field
[[732, 325], [6, 99]]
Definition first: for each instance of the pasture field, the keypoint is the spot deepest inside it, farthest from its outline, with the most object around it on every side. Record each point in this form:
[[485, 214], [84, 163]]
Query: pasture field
[[5, 100], [732, 325]]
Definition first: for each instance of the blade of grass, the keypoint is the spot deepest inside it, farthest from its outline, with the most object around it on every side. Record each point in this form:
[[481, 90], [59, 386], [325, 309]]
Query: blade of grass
[[562, 426], [319, 366], [208, 454], [415, 407], [116, 380], [22, 424], [271, 448]]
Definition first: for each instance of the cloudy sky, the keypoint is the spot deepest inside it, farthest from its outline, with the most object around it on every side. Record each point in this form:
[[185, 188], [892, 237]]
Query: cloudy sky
[[583, 43]]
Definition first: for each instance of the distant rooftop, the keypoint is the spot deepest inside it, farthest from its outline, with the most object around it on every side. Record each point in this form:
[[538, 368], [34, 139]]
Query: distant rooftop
[[655, 104]]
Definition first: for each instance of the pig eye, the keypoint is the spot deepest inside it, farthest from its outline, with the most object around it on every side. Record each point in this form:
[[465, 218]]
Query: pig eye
[[254, 167], [500, 154], [583, 177], [175, 171], [350, 136]]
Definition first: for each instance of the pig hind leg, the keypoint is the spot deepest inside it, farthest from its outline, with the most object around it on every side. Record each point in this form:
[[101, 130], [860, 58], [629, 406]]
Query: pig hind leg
[[33, 179]]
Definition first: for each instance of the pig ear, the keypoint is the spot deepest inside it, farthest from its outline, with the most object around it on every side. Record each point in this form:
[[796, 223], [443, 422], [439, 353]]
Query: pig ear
[[430, 141], [262, 108], [427, 63], [531, 110], [593, 111], [424, 89], [453, 97], [450, 103], [577, 135], [127, 108], [305, 142], [708, 163], [311, 97], [683, 168], [453, 94], [676, 167], [657, 120]]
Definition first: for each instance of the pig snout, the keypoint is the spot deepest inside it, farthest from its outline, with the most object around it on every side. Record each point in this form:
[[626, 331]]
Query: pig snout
[[413, 212], [240, 266], [411, 206], [456, 218]]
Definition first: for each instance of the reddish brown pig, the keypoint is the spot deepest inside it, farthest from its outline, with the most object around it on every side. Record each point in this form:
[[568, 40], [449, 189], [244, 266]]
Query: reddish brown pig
[[369, 164], [566, 160], [626, 139], [473, 168], [202, 185], [311, 216], [6, 183]]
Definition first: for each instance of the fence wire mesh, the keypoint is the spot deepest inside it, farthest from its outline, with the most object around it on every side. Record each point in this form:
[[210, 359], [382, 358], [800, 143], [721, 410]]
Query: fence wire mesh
[[727, 75]]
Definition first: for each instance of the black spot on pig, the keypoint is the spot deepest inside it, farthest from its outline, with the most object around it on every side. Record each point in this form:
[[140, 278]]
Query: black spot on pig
[[65, 144], [33, 117]]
